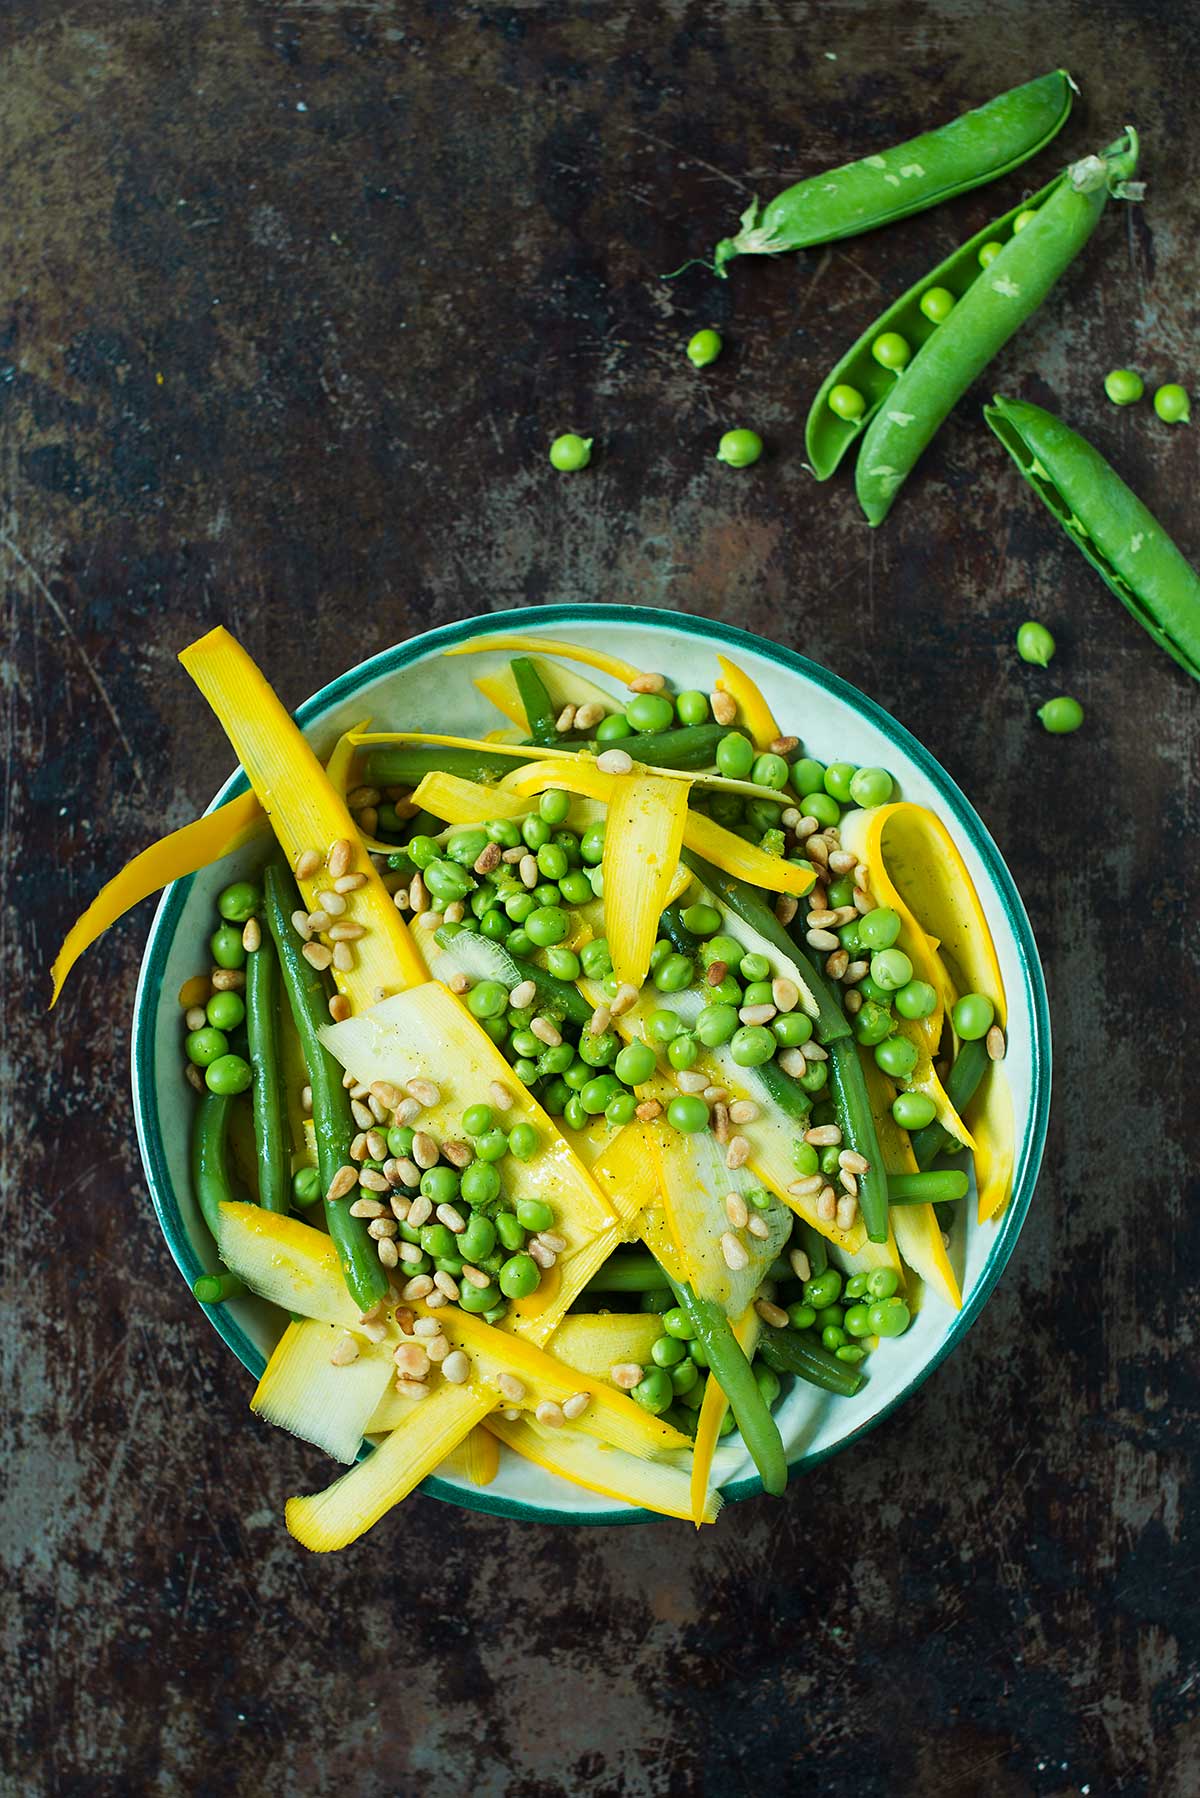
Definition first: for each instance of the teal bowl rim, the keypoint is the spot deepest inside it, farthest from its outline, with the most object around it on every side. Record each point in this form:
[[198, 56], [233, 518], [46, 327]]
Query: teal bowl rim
[[1028, 1159]]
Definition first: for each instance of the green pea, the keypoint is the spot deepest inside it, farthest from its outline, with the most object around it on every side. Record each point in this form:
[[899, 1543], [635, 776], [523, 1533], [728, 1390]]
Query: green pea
[[821, 806], [466, 846], [890, 968], [518, 906], [662, 948], [206, 1045], [570, 452], [716, 1024], [621, 1109], [856, 1285], [912, 1111], [754, 967], [518, 943], [916, 999], [1062, 715], [768, 1382], [770, 771], [850, 1352], [668, 1351], [937, 303], [807, 776], [556, 1060], [612, 729], [487, 999], [801, 1317], [880, 928], [763, 814], [447, 882], [1172, 404], [548, 925], [422, 850], [534, 1215], [830, 1317], [791, 1028], [973, 1016], [563, 964], [1024, 218], [478, 1239], [525, 1070], [674, 973], [823, 1289], [503, 831], [1034, 643], [758, 992], [883, 1282], [635, 1063], [891, 350], [704, 347], [654, 1391], [440, 1185], [687, 1113], [738, 449], [509, 1230], [726, 808], [702, 920], [400, 1141], [726, 992], [600, 1048], [1123, 386], [735, 756], [813, 1078], [988, 253], [871, 786], [685, 1376], [846, 402], [838, 776], [677, 1323], [651, 711], [597, 1093], [480, 1183], [306, 1186], [554, 1095], [552, 861], [226, 947], [476, 1299], [662, 1025], [408, 1233], [692, 706], [890, 1317], [752, 1045], [228, 1074], [554, 805], [683, 1051], [477, 1119], [805, 1159], [896, 1056], [437, 1241], [492, 1145], [225, 1011], [697, 1352], [596, 960], [576, 889], [239, 902], [535, 832]]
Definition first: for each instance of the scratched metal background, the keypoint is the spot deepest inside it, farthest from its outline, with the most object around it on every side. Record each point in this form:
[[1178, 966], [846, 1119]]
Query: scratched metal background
[[292, 297]]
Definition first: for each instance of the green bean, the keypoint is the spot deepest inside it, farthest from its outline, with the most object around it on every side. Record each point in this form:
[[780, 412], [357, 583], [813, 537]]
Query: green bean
[[421, 824], [979, 146], [210, 1157], [407, 764], [748, 904], [681, 939], [800, 1352], [829, 433], [968, 1070], [815, 1246], [627, 1272], [267, 1091], [214, 1289], [781, 1090], [531, 690], [308, 995], [688, 746], [1105, 520], [733, 1373], [937, 1188], [848, 1086], [988, 314]]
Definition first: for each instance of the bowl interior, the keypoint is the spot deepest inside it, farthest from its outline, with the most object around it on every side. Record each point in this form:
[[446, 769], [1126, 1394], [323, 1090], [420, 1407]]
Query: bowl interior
[[397, 690]]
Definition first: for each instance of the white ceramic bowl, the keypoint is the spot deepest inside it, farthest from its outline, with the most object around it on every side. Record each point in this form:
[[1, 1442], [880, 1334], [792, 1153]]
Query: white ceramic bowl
[[406, 687]]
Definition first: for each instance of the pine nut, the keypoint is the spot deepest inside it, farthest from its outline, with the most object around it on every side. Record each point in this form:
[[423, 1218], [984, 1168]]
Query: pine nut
[[456, 1368], [823, 1136], [425, 1092], [344, 1181], [647, 683], [510, 1387], [344, 1351], [785, 993], [251, 935], [756, 1014], [523, 994], [792, 1062], [589, 715], [546, 1032], [771, 1314], [736, 1257], [804, 1188], [759, 1227], [488, 859], [577, 1404], [380, 1228], [388, 1253], [614, 761], [349, 883], [499, 1097], [528, 869], [743, 1111], [647, 1111], [724, 709], [853, 1162], [627, 996], [343, 961], [736, 1210], [300, 925], [458, 1154], [550, 1415], [786, 907], [821, 939], [306, 864], [424, 1150], [339, 858], [625, 1375], [996, 1045], [372, 1179], [847, 1211], [826, 1205], [800, 1264], [565, 720], [419, 1287], [366, 1208], [738, 1152]]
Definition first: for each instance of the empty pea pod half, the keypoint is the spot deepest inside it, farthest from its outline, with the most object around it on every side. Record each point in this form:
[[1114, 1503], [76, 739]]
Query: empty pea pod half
[[1125, 544], [977, 147], [837, 418], [1009, 290]]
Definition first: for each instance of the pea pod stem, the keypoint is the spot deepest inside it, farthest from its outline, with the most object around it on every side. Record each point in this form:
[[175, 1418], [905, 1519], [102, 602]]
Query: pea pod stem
[[267, 1092], [308, 995], [735, 1376], [979, 146], [1108, 524], [1009, 291], [798, 1352], [848, 1086]]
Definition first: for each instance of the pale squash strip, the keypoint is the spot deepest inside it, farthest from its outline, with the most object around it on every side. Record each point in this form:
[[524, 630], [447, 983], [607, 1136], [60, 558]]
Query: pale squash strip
[[642, 839], [713, 1407]]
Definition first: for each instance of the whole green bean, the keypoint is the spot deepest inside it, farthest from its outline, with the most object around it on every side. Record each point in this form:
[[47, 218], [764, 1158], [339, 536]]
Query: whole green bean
[[1012, 288], [539, 712], [782, 1091], [308, 995], [215, 1289], [627, 1273], [210, 1157], [827, 435], [977, 147], [1105, 520], [733, 1373], [815, 1245], [407, 764], [267, 1092], [799, 1352], [848, 1086], [687, 746], [936, 1188], [672, 926], [961, 1085]]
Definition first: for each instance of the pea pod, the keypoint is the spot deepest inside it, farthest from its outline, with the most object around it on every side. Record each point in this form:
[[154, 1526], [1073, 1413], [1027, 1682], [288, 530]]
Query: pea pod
[[210, 1156], [827, 437], [1011, 289], [539, 713], [979, 146], [1107, 522], [308, 995], [267, 1093]]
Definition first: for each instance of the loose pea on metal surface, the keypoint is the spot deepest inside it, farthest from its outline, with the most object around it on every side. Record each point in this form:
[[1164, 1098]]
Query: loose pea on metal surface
[[1035, 643], [739, 448], [1172, 404], [570, 452], [1061, 715], [1124, 386], [704, 347]]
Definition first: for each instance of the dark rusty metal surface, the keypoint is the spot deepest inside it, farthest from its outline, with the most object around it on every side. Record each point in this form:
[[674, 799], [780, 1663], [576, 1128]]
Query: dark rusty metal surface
[[294, 296]]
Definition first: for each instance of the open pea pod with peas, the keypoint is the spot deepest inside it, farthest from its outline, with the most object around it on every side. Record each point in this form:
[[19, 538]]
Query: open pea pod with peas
[[575, 1020]]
